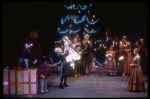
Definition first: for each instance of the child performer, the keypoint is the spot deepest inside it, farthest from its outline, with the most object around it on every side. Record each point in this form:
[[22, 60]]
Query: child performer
[[111, 62]]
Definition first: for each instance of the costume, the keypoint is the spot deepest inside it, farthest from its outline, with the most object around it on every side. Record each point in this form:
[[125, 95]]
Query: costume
[[136, 80], [142, 54], [43, 71], [72, 54], [125, 51], [87, 57], [65, 69], [107, 43], [29, 56], [111, 62], [115, 44], [77, 63], [32, 53]]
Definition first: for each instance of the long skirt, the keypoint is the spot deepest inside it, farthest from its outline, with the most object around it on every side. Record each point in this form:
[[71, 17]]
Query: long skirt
[[65, 69], [111, 66], [136, 80], [124, 66], [128, 62]]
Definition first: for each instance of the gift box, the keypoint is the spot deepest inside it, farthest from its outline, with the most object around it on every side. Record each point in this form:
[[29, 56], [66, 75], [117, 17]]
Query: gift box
[[16, 81], [30, 81], [6, 82]]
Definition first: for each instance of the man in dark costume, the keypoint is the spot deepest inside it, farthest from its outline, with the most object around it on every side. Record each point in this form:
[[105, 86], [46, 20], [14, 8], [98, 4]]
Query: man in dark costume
[[29, 56], [115, 44], [87, 56]]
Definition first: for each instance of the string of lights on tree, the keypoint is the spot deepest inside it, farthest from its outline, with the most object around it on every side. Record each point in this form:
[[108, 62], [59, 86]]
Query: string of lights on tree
[[76, 27], [78, 6], [77, 23]]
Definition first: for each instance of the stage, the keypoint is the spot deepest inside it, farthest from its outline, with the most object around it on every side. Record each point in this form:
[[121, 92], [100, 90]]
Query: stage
[[97, 85]]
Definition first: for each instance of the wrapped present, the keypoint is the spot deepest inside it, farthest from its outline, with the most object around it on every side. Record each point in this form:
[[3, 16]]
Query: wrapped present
[[30, 81], [6, 81], [16, 81]]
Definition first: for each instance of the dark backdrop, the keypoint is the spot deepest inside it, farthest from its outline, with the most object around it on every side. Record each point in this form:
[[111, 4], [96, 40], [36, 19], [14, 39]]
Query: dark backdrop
[[20, 18]]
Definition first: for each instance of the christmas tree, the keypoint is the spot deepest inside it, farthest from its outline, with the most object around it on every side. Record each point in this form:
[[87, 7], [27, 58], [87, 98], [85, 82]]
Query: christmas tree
[[78, 20]]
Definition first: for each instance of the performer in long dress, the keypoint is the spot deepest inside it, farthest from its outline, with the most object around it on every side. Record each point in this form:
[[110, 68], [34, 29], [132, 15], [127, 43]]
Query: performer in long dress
[[125, 51], [72, 53], [136, 80], [65, 67], [111, 67]]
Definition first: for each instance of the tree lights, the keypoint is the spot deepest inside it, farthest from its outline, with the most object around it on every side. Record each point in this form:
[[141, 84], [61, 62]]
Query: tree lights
[[79, 6], [79, 21], [75, 21], [69, 30], [93, 16]]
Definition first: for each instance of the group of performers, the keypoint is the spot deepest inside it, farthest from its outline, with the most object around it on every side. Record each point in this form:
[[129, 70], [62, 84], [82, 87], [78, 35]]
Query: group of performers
[[71, 57], [74, 54], [119, 55]]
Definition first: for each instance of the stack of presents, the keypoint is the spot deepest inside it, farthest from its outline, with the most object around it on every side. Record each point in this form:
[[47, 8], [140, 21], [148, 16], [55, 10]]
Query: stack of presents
[[19, 81]]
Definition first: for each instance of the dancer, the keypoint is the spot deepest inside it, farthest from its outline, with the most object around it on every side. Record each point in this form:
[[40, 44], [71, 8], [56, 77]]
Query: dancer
[[29, 56], [108, 40], [78, 38], [125, 51], [77, 47], [143, 54], [137, 45], [87, 56], [107, 43], [43, 71], [75, 42], [136, 80], [92, 63], [115, 44], [65, 67], [72, 53], [111, 67], [32, 52]]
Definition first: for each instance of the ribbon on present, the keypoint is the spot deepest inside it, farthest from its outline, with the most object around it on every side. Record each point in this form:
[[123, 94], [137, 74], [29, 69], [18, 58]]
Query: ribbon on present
[[16, 83], [29, 79], [19, 68]]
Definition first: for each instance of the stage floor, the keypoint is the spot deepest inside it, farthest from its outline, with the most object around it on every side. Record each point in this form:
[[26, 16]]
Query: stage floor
[[97, 85]]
